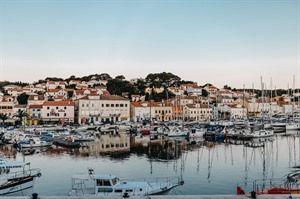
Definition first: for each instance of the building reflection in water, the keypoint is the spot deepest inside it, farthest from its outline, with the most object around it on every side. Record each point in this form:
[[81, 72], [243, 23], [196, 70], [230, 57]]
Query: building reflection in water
[[107, 144]]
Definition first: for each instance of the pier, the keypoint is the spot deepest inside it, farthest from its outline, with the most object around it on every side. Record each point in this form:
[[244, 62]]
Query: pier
[[266, 196]]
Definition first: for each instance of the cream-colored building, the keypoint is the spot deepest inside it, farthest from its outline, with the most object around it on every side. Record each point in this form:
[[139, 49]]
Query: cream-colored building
[[105, 108], [197, 112]]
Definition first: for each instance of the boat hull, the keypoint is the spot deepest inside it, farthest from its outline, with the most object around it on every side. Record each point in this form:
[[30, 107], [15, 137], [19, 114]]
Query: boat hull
[[18, 186]]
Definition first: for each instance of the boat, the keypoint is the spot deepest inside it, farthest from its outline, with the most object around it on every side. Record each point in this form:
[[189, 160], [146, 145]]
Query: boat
[[18, 182], [195, 132], [177, 132], [289, 184], [35, 142], [111, 185]]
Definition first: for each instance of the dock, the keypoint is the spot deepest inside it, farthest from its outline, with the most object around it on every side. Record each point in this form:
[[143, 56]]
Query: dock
[[266, 196]]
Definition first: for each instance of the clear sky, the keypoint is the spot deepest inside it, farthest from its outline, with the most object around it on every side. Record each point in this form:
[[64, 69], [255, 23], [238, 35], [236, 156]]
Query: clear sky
[[223, 42]]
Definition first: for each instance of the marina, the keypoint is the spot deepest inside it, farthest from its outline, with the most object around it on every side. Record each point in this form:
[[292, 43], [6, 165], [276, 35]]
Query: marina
[[206, 166]]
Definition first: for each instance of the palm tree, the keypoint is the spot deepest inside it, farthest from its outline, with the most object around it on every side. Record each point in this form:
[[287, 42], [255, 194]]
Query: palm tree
[[3, 117], [21, 115]]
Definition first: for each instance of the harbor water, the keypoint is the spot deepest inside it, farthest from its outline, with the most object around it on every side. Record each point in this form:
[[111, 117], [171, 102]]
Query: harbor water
[[207, 168]]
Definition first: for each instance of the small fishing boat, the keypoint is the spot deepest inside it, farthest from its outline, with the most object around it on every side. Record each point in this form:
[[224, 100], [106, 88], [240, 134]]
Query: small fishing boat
[[110, 185], [18, 182]]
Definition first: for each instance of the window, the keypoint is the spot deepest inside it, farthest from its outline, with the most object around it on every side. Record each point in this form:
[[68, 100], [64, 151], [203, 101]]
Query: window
[[82, 105], [125, 105], [57, 107], [102, 105], [112, 105], [33, 109], [87, 105], [48, 107], [121, 105], [65, 108], [117, 105], [48, 114], [107, 105], [33, 115], [65, 114]]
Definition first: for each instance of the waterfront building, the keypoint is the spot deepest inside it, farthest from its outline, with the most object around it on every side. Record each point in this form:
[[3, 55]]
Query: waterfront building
[[58, 111], [35, 114], [7, 105], [94, 108], [197, 112], [154, 111], [140, 111]]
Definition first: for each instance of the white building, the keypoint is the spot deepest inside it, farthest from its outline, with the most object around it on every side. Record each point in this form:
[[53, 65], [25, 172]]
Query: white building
[[104, 108]]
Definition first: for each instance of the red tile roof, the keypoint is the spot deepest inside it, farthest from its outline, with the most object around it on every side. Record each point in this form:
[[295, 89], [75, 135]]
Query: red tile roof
[[59, 103], [35, 106]]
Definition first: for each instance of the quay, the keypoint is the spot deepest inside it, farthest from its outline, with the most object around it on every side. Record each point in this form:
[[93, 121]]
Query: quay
[[247, 196]]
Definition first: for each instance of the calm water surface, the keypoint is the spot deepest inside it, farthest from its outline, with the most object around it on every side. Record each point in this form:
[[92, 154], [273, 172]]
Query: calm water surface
[[206, 168]]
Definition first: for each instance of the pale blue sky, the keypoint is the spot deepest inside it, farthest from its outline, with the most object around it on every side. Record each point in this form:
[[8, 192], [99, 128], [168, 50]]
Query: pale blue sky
[[232, 42]]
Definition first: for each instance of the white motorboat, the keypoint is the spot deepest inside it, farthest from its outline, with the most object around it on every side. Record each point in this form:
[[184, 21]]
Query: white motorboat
[[292, 126], [197, 132], [35, 142], [110, 185], [19, 182]]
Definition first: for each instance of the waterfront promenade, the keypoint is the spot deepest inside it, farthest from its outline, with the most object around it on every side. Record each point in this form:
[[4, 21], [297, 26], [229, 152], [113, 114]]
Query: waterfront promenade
[[283, 196]]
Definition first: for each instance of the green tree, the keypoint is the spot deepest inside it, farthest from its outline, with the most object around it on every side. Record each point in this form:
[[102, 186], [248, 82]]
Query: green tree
[[141, 86], [227, 87], [3, 117], [204, 93], [21, 115], [117, 87], [22, 98], [121, 77], [158, 79]]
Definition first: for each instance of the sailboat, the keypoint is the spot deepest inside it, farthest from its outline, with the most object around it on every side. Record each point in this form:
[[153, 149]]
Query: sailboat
[[292, 124]]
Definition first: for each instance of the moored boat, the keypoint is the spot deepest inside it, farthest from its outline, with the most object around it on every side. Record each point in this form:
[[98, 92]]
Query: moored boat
[[286, 185], [110, 185], [19, 182]]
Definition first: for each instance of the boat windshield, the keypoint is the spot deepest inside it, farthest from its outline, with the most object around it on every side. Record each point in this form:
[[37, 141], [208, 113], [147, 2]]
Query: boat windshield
[[103, 182], [114, 181]]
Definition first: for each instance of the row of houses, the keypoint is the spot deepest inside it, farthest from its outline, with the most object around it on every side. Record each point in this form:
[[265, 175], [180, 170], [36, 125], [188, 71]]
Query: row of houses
[[95, 105]]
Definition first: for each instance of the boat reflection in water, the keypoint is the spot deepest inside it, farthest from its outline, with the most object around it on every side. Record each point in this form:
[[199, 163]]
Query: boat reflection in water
[[203, 165]]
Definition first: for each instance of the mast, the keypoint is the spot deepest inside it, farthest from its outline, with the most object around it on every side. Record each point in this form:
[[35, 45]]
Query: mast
[[244, 102], [271, 99]]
